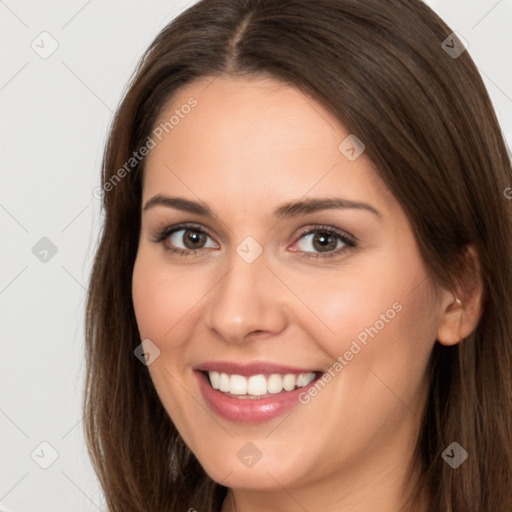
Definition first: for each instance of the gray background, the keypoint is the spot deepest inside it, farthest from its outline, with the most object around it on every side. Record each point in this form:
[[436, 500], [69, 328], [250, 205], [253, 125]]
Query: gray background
[[54, 120]]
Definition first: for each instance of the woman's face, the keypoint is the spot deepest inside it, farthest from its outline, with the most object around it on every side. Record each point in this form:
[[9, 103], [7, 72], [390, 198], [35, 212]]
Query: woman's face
[[251, 287]]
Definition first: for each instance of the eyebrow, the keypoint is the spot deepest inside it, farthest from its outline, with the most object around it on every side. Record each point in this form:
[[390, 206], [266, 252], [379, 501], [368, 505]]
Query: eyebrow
[[285, 211]]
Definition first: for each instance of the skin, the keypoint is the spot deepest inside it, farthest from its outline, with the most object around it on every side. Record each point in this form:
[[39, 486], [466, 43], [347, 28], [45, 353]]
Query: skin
[[248, 146]]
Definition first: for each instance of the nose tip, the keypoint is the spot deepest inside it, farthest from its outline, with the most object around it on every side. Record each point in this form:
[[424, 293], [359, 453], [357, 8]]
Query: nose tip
[[246, 303]]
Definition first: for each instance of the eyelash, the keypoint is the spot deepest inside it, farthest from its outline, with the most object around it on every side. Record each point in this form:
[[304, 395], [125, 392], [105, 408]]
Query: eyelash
[[161, 235]]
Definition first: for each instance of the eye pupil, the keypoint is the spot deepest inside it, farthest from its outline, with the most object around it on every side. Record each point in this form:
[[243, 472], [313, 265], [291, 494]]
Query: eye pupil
[[324, 241], [195, 237]]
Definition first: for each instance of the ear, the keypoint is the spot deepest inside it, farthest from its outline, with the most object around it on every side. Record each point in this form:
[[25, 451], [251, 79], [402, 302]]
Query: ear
[[459, 315]]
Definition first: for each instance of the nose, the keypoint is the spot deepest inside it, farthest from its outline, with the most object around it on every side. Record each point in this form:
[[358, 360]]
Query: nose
[[248, 300]]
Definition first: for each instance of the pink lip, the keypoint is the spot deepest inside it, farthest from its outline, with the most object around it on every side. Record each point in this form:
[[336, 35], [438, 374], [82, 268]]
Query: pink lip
[[246, 410], [255, 368]]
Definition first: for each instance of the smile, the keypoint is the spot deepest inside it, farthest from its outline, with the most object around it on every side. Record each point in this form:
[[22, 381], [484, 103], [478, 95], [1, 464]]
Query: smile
[[255, 397], [258, 386]]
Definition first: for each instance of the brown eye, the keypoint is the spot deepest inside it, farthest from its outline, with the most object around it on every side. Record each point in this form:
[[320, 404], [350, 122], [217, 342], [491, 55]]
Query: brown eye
[[193, 239], [189, 239], [184, 239], [323, 242], [320, 241]]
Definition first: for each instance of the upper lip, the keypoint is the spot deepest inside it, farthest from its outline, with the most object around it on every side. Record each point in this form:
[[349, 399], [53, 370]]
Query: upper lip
[[248, 369]]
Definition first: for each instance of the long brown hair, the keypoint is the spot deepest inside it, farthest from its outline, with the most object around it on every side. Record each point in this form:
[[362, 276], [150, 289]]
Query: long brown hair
[[429, 127]]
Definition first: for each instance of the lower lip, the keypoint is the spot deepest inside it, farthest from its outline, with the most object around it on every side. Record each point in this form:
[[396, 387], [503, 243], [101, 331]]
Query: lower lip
[[246, 410]]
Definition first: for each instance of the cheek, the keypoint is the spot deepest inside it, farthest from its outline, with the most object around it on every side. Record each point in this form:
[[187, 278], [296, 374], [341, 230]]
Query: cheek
[[379, 315], [163, 300], [340, 307], [163, 303]]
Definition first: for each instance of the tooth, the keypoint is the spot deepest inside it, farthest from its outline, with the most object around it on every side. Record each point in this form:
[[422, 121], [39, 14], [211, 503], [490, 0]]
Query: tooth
[[224, 382], [214, 379], [303, 380], [275, 383], [238, 385], [257, 385], [289, 382]]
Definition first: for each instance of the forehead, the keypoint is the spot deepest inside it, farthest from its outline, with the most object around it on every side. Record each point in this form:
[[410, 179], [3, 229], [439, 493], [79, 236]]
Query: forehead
[[248, 112], [257, 139]]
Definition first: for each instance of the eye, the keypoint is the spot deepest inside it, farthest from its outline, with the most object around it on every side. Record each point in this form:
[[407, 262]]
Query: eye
[[328, 241], [184, 239], [191, 239]]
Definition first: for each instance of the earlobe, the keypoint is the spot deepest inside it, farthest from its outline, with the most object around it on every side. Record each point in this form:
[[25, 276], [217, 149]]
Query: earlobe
[[460, 317], [449, 331]]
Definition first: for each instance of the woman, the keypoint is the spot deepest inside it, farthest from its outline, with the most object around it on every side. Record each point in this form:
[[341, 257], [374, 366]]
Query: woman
[[301, 296]]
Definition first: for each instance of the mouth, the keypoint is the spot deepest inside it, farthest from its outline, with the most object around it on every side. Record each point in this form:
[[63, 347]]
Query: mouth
[[260, 386], [251, 399]]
